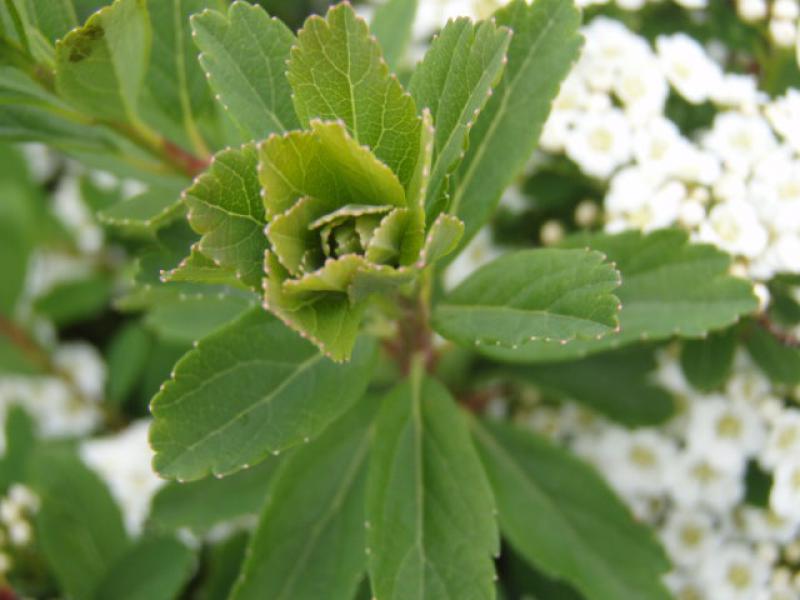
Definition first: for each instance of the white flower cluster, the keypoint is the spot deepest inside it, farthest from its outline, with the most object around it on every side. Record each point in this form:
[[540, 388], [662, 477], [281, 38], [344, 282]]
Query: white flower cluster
[[686, 479], [16, 531], [782, 18], [736, 185], [63, 404], [123, 460]]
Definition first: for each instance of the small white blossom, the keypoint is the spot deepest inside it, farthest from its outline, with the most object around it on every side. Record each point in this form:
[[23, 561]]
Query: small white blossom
[[636, 461], [784, 116], [734, 572], [695, 481], [784, 498], [687, 67], [642, 88], [734, 227], [740, 140], [600, 142], [689, 536], [725, 432], [123, 461], [783, 441]]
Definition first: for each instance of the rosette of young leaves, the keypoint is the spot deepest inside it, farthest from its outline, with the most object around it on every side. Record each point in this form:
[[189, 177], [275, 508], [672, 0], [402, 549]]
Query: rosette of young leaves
[[341, 228]]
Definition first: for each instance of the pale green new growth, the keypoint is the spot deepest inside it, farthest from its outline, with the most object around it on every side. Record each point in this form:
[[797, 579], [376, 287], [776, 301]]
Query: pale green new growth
[[337, 72], [225, 207]]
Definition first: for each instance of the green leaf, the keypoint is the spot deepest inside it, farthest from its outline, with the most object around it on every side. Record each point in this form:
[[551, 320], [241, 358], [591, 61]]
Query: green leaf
[[278, 390], [310, 541], [329, 320], [177, 96], [432, 529], [52, 19], [779, 361], [337, 72], [707, 363], [74, 301], [529, 295], [19, 430], [79, 527], [562, 517], [155, 568], [545, 44], [669, 288], [100, 67], [201, 505], [244, 55], [454, 81], [143, 214], [190, 318], [221, 567], [392, 25], [325, 164], [198, 268], [226, 209], [617, 384], [126, 358], [20, 221]]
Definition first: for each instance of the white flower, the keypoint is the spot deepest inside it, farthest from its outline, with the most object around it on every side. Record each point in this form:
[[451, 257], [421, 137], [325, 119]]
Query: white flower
[[784, 498], [689, 536], [785, 9], [642, 88], [600, 142], [123, 461], [42, 160], [695, 481], [725, 432], [734, 572], [775, 191], [734, 227], [740, 140], [609, 45], [784, 115], [783, 32], [684, 586], [687, 67], [69, 207], [24, 497], [731, 186], [783, 441], [635, 462], [752, 10], [20, 533], [642, 203], [658, 146], [763, 525], [84, 366], [738, 91], [780, 257], [696, 166], [747, 382]]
